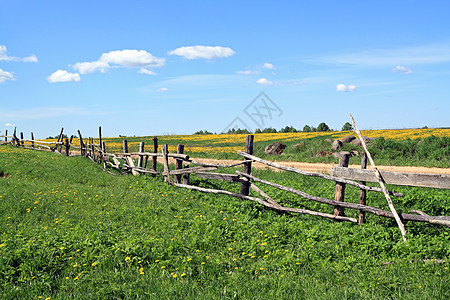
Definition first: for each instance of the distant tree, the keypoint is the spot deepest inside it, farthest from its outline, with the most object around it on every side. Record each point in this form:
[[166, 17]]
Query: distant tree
[[347, 126], [306, 128], [288, 129], [258, 130], [203, 132], [313, 129], [323, 127], [238, 131], [269, 130]]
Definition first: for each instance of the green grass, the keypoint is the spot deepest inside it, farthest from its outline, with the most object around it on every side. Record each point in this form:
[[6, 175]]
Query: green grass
[[70, 231]]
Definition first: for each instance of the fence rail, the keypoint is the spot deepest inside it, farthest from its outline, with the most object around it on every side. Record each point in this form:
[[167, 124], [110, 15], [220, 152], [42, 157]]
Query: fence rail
[[136, 163]]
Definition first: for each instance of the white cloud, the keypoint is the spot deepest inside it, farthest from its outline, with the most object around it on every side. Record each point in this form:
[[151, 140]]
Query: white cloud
[[90, 67], [162, 89], [6, 57], [345, 88], [248, 72], [207, 52], [265, 82], [146, 71], [63, 76], [10, 125], [121, 58], [402, 69], [132, 59], [4, 76], [268, 66]]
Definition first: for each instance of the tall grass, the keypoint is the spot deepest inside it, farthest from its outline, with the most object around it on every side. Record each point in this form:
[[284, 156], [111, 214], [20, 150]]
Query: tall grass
[[70, 231]]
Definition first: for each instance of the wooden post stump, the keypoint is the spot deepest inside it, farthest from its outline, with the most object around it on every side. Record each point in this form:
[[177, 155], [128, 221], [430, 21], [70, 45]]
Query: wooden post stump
[[141, 157], [245, 187], [339, 191], [67, 145], [21, 139], [32, 140]]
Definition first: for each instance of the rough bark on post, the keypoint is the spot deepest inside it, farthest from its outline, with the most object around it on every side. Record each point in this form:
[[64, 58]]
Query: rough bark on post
[[362, 193], [81, 143], [165, 151], [186, 176], [125, 146], [179, 163], [339, 191], [245, 188], [67, 145], [154, 158], [100, 136], [60, 139], [21, 139], [141, 157], [32, 140], [6, 135], [104, 151]]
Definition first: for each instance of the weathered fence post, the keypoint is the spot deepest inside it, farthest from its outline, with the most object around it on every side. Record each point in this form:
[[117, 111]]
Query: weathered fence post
[[21, 139], [339, 191], [60, 139], [186, 176], [81, 143], [100, 136], [67, 145], [245, 188], [155, 158], [165, 151], [141, 157], [32, 140], [125, 146], [362, 193], [6, 135], [179, 163]]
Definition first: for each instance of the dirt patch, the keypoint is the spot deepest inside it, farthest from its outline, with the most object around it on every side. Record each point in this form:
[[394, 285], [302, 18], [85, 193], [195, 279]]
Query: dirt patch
[[325, 168]]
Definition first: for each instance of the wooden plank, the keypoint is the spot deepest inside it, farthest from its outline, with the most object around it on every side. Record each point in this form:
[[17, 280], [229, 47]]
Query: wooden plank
[[362, 193], [320, 175], [439, 181], [220, 176], [130, 162], [191, 170]]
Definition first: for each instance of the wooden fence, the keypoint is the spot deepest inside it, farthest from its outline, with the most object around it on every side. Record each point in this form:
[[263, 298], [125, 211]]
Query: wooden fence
[[138, 163]]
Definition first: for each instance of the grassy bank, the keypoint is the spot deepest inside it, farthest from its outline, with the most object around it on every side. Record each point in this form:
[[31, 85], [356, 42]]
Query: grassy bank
[[70, 231]]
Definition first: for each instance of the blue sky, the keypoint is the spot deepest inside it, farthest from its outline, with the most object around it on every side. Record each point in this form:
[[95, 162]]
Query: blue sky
[[175, 67]]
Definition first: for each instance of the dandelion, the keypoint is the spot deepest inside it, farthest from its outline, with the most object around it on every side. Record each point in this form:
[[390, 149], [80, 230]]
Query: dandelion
[[3, 245], [62, 248], [203, 262], [75, 265], [127, 258], [156, 260], [141, 271], [174, 275], [76, 278], [94, 264], [163, 267], [183, 274]]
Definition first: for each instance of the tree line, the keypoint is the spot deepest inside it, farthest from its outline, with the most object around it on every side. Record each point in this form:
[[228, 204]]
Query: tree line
[[322, 127]]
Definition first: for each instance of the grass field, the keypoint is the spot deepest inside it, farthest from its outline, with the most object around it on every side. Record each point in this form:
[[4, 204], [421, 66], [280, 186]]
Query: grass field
[[407, 147], [70, 231]]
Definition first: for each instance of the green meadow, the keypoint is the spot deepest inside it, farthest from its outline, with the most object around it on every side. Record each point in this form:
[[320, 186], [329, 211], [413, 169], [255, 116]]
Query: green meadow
[[68, 230]]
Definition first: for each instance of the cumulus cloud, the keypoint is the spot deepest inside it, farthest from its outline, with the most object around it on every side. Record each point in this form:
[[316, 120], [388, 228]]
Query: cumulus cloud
[[206, 52], [4, 76], [4, 56], [91, 67], [248, 72], [162, 89], [147, 71], [10, 125], [268, 66], [121, 58], [402, 69], [132, 59], [345, 88], [63, 76], [265, 82]]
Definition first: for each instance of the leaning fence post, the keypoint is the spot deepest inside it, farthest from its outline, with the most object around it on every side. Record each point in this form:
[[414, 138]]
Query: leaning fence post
[[154, 158], [245, 187], [81, 143], [32, 140], [362, 193], [179, 163], [21, 139], [165, 151], [339, 191]]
